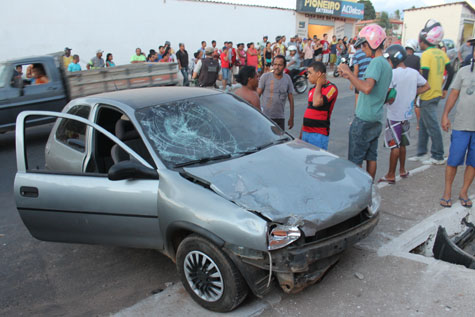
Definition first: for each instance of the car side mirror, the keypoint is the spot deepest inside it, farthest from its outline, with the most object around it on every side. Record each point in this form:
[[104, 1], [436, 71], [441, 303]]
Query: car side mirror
[[130, 170]]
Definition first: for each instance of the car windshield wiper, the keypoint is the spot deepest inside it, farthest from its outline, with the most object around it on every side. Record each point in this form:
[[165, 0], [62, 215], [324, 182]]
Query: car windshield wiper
[[204, 160], [261, 147], [279, 141]]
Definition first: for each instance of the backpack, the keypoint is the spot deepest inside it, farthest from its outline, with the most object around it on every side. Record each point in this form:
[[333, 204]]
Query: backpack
[[209, 72]]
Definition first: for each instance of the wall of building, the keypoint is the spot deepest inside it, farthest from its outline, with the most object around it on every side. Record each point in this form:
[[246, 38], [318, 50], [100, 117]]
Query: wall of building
[[467, 25], [449, 17], [314, 24], [31, 27]]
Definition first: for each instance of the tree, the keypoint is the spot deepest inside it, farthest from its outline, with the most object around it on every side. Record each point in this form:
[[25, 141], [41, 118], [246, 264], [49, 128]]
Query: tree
[[369, 12], [397, 14], [384, 22]]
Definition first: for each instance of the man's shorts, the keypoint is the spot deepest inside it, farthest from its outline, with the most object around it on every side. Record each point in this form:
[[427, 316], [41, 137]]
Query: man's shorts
[[325, 59], [396, 134], [226, 74], [462, 148], [332, 58], [316, 139], [363, 141]]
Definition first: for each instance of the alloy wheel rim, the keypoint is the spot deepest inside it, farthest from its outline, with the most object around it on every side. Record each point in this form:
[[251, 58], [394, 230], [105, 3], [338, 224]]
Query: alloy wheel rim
[[203, 276]]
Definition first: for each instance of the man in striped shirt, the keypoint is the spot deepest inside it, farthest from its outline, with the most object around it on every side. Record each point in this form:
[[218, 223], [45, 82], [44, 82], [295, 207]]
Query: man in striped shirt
[[360, 62], [321, 99]]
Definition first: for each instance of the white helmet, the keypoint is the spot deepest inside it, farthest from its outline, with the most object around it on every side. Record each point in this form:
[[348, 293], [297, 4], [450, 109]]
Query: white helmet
[[412, 44], [292, 48], [432, 33]]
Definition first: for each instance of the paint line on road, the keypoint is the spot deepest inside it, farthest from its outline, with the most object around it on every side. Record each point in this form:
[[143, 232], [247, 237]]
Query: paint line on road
[[411, 173]]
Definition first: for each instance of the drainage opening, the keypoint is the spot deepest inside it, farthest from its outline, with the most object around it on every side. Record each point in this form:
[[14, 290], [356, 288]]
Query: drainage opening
[[453, 245]]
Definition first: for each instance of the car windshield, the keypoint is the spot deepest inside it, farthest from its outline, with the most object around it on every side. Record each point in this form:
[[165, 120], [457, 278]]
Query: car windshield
[[203, 129]]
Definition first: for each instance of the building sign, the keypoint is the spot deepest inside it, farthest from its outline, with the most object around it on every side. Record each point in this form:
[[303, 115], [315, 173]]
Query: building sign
[[343, 9]]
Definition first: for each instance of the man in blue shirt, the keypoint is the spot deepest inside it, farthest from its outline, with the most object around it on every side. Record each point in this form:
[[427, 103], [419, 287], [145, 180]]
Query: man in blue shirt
[[366, 126]]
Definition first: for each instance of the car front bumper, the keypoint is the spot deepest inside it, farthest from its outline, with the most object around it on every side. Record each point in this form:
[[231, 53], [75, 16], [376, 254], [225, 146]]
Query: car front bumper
[[298, 266]]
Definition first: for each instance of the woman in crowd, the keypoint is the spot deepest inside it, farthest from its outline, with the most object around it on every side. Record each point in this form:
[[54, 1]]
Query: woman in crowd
[[109, 62], [241, 55], [152, 56], [251, 55], [268, 56], [166, 58]]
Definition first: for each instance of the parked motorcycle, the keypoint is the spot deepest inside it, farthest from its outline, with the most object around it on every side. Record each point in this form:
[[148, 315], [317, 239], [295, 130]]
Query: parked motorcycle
[[299, 79], [345, 60]]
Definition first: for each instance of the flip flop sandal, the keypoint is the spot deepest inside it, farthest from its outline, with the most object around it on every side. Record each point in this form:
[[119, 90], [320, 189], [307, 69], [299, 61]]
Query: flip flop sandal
[[448, 202], [405, 175], [385, 180], [467, 203]]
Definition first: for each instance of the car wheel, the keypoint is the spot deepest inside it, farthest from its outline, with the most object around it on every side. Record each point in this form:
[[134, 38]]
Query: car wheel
[[209, 276]]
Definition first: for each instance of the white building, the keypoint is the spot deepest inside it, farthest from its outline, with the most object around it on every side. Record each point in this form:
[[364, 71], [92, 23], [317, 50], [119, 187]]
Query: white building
[[457, 19], [32, 27]]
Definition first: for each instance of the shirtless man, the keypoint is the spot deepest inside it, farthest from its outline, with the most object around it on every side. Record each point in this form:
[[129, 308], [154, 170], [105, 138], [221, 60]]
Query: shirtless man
[[248, 79]]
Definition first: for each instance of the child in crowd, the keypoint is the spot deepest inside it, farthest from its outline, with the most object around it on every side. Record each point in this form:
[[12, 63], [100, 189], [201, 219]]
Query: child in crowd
[[321, 99], [408, 83], [74, 66]]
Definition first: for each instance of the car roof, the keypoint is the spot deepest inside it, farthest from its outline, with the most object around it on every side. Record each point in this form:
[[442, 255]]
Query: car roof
[[145, 97]]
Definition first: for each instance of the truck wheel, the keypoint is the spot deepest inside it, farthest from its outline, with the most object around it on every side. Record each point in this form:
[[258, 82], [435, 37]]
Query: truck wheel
[[209, 276]]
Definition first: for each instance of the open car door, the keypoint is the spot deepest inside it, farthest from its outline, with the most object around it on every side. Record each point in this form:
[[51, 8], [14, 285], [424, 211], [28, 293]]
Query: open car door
[[119, 208]]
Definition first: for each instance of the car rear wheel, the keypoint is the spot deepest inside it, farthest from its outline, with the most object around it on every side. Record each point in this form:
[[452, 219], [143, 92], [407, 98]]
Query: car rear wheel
[[209, 276]]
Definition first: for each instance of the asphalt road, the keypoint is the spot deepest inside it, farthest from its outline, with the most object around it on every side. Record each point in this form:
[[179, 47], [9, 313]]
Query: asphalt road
[[54, 279]]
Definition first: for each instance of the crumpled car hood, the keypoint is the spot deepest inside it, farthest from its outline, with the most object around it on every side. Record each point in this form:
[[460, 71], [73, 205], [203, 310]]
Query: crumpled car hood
[[293, 183]]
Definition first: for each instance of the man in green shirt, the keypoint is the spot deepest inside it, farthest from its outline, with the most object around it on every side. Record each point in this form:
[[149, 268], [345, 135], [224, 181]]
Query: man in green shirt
[[138, 57], [366, 127]]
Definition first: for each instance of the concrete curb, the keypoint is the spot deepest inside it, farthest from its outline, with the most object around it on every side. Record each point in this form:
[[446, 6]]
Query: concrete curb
[[175, 301]]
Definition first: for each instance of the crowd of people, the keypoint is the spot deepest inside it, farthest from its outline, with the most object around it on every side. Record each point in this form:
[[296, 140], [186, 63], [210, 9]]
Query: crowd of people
[[383, 74]]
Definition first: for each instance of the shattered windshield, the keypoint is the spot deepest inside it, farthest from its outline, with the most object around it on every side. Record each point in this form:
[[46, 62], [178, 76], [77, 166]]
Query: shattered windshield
[[216, 126]]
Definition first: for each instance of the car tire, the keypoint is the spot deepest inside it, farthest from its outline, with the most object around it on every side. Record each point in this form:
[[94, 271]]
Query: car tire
[[209, 276]]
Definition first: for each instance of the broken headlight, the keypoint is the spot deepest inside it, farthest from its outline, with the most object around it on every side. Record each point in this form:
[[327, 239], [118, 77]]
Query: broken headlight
[[373, 208], [281, 236]]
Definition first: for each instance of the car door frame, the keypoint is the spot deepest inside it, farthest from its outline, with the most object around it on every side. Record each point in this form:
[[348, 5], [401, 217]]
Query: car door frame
[[101, 226]]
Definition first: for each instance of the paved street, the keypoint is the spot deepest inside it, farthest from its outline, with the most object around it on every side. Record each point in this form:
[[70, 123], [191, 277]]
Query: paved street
[[43, 278]]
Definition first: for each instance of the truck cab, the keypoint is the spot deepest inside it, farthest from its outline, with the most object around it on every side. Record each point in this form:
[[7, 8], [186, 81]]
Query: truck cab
[[19, 91]]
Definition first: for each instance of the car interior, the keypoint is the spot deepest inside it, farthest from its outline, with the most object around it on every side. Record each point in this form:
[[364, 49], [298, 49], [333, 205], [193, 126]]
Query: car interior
[[105, 152]]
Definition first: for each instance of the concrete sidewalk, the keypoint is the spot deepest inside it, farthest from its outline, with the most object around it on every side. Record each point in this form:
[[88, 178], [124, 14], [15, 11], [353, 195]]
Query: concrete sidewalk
[[375, 277]]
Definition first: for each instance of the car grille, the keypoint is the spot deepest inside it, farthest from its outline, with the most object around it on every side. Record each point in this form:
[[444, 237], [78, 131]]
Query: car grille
[[339, 228]]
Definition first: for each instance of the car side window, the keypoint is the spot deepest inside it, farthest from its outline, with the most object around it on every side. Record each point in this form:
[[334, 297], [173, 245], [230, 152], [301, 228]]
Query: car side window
[[73, 133]]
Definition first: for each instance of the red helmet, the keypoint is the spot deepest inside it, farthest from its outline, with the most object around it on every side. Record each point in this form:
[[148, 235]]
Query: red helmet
[[372, 34]]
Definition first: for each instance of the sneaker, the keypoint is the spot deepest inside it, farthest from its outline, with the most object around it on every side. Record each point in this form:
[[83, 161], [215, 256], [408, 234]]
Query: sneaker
[[433, 161], [421, 158]]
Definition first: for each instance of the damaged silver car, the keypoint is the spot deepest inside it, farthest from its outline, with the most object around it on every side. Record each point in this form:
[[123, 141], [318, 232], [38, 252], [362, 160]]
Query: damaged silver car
[[201, 176]]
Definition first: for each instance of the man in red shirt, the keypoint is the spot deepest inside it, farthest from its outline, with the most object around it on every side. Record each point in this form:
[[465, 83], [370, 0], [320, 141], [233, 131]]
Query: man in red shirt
[[225, 67], [325, 49], [321, 99]]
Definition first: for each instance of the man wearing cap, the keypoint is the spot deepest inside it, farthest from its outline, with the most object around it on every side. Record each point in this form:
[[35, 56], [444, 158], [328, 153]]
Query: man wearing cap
[[207, 69], [97, 61], [67, 57]]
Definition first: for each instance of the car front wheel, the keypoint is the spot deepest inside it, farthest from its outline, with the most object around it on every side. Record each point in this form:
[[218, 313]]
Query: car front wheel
[[209, 276]]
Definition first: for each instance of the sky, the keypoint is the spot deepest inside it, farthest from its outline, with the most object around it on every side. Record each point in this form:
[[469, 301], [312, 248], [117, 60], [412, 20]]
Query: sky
[[379, 5]]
